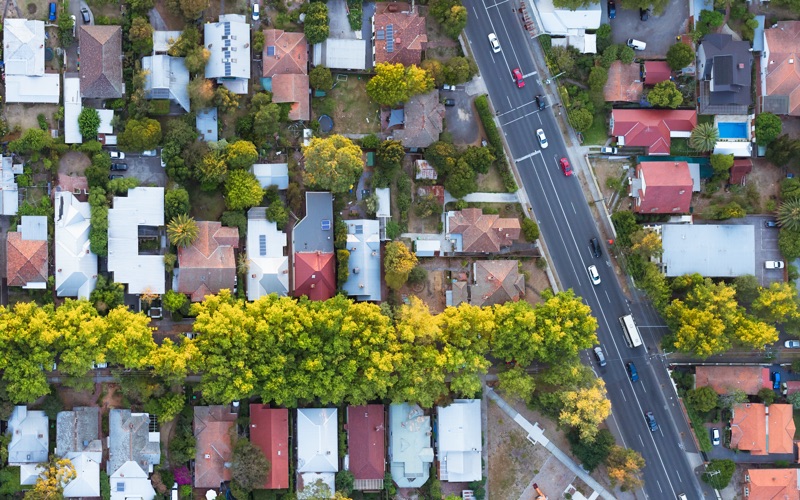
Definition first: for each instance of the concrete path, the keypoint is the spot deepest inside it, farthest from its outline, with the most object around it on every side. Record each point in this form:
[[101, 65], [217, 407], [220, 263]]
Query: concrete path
[[156, 20], [485, 198]]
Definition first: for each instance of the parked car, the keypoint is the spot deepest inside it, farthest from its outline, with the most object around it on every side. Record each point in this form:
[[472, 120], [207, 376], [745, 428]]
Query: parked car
[[449, 102], [540, 102], [601, 359], [770, 223], [636, 44], [448, 87], [117, 155], [85, 15], [774, 264], [494, 43], [256, 14], [150, 152], [595, 246], [644, 14], [609, 150], [792, 344], [542, 138], [715, 436], [776, 380], [565, 166], [52, 16], [115, 176], [517, 74], [593, 275], [651, 421], [118, 167], [632, 373], [612, 9]]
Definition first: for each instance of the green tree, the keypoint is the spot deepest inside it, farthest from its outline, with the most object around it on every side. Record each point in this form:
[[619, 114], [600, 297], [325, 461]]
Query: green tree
[[333, 163], [107, 295], [398, 263], [598, 77], [766, 395], [624, 465], [182, 231], [188, 40], [211, 170], [679, 56], [32, 140], [704, 137], [242, 190], [315, 25], [189, 9], [122, 186], [258, 41], [225, 100], [747, 289], [389, 158], [173, 301], [625, 224], [277, 213], [88, 123], [721, 164], [249, 466], [776, 304], [789, 215], [65, 27], [442, 156], [732, 398], [718, 473], [141, 36], [140, 135], [56, 474], [451, 14], [646, 243], [581, 119], [176, 202], [517, 383], [201, 92], [461, 180], [457, 70], [626, 54], [768, 128], [241, 154], [789, 243], [395, 83], [321, 78], [530, 229], [585, 409], [591, 454], [436, 69], [703, 399], [266, 115], [790, 187], [709, 21], [479, 158], [794, 400], [195, 62], [666, 95], [783, 151]]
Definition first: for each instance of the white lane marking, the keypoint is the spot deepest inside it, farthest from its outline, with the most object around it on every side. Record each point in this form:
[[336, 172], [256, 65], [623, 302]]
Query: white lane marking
[[537, 152], [573, 208], [528, 75], [509, 101], [508, 37], [515, 109], [498, 3], [536, 112], [623, 396], [608, 297], [641, 440]]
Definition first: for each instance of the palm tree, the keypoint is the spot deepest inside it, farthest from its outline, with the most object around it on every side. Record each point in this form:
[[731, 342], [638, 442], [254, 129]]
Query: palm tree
[[704, 137], [243, 265], [182, 230], [789, 215]]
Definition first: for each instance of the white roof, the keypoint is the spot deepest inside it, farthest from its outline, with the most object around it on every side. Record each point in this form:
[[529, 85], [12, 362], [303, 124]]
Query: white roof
[[268, 267], [163, 40], [410, 450], [384, 203], [228, 40], [23, 47], [87, 480], [72, 110], [34, 89], [364, 245], [144, 206], [717, 251], [9, 194], [426, 248], [76, 265], [559, 21], [317, 443], [338, 53], [167, 78], [272, 174], [106, 115], [33, 228], [131, 482], [29, 436], [459, 440], [739, 149]]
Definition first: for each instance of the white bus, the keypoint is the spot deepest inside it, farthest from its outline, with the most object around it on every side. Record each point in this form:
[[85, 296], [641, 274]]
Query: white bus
[[632, 337]]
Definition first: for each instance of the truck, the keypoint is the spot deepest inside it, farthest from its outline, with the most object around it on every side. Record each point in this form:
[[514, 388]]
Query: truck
[[773, 264]]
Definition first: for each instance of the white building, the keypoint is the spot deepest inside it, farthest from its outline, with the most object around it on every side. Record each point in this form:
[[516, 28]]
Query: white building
[[268, 267], [76, 265], [30, 442], [459, 441], [317, 450], [568, 27], [228, 40], [272, 174], [23, 55], [72, 110], [167, 78]]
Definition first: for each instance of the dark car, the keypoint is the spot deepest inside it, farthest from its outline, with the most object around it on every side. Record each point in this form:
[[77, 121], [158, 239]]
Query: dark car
[[119, 167], [632, 372], [85, 15], [612, 9], [115, 176], [770, 223], [596, 250], [651, 421], [540, 102], [52, 16], [644, 14], [449, 102]]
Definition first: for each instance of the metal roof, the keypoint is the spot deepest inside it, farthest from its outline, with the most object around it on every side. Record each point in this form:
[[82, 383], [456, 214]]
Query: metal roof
[[410, 450], [308, 234], [459, 440], [317, 440], [272, 174], [717, 251], [72, 109], [167, 78], [76, 265], [268, 267], [364, 245]]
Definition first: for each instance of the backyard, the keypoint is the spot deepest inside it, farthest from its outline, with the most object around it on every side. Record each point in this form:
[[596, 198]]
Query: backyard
[[352, 111], [205, 205]]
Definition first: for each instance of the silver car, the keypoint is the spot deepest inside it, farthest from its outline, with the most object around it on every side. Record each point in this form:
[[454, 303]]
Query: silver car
[[494, 42], [542, 138]]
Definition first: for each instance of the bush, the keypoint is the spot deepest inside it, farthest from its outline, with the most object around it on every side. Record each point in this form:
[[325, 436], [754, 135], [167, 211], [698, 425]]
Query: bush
[[530, 229], [591, 454], [495, 141], [159, 107], [370, 141], [417, 275]]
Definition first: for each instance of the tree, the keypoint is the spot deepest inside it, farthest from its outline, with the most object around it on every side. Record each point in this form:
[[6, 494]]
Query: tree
[[333, 163], [320, 78], [766, 395], [140, 135], [646, 244], [585, 409], [609, 55], [721, 164], [794, 399], [789, 243], [141, 36], [458, 70], [315, 25], [790, 187], [768, 128], [517, 383], [241, 155], [436, 69], [88, 123], [122, 186], [704, 137], [189, 9], [394, 83], [277, 213], [598, 77], [196, 60], [666, 95], [732, 398], [591, 454], [479, 158], [242, 190], [789, 215], [65, 27], [626, 54], [461, 180], [182, 231], [776, 304], [703, 399], [530, 229], [201, 92], [173, 301], [54, 476], [226, 100], [344, 482], [783, 151], [747, 289], [176, 202], [107, 295], [581, 119], [249, 466], [625, 224], [442, 157], [398, 263], [32, 140], [624, 465], [679, 56], [709, 21], [390, 154], [211, 170], [718, 473], [258, 41], [451, 15]]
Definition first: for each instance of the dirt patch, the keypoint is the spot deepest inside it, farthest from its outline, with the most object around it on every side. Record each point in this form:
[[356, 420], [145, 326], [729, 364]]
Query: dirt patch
[[73, 163], [173, 22], [432, 291], [25, 116], [491, 182], [513, 460], [206, 206], [763, 185], [106, 396], [606, 171]]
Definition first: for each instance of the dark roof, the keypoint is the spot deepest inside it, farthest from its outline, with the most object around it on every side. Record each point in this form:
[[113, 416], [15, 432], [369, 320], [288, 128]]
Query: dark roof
[[726, 64], [741, 167], [101, 71], [366, 435]]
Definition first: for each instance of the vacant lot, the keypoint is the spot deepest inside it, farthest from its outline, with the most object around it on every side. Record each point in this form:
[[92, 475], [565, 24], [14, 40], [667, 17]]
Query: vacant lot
[[349, 106], [763, 185], [24, 116]]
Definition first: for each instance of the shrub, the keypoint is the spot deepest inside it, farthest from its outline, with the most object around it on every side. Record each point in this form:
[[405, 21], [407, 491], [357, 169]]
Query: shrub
[[159, 107], [530, 229], [495, 141]]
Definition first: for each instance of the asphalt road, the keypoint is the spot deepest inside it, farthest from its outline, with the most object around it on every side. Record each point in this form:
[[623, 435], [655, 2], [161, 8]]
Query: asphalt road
[[567, 226]]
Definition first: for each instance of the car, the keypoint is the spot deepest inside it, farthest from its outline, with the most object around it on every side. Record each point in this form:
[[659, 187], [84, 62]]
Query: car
[[565, 166], [517, 74], [632, 373], [52, 15], [715, 436], [118, 167], [450, 102], [494, 43], [612, 9], [651, 421], [99, 366], [601, 359], [85, 15], [644, 14], [150, 152], [115, 176], [636, 44], [542, 138], [792, 344], [774, 264], [540, 102], [256, 14], [593, 274], [770, 223], [596, 250], [448, 87], [609, 150], [163, 163], [74, 24], [682, 496], [776, 380], [117, 155]]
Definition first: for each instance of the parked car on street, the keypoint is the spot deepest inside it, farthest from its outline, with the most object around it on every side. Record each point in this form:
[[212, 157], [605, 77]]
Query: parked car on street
[[774, 264], [117, 155], [150, 152], [565, 167]]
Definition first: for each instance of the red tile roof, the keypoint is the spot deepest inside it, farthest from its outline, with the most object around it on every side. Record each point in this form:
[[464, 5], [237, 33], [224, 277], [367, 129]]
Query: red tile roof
[[366, 436], [722, 379], [483, 233], [208, 265], [624, 83], [289, 53], [667, 187], [26, 260], [656, 72], [497, 282], [293, 89], [651, 128], [269, 430], [741, 167], [212, 430], [762, 433], [409, 34], [772, 484], [314, 275], [101, 71], [783, 76]]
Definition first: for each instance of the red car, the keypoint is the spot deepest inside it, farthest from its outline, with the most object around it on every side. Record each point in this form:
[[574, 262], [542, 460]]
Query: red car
[[565, 167], [517, 74]]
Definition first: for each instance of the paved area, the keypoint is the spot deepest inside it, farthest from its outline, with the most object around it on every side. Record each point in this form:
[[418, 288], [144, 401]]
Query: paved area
[[337, 20], [485, 198], [658, 32], [145, 168], [461, 119]]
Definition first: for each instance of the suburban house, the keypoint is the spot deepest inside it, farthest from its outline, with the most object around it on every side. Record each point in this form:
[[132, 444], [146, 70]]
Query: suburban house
[[459, 441], [101, 56], [269, 431], [423, 121], [780, 76], [741, 167], [73, 106], [494, 282], [30, 442], [285, 71], [78, 439], [410, 449], [228, 41], [366, 436], [398, 33], [138, 215], [714, 251], [662, 187], [272, 174], [268, 266], [656, 72], [207, 126], [624, 83], [77, 185], [767, 484], [763, 430], [568, 27], [23, 58], [133, 449], [26, 253], [214, 451], [724, 72], [724, 379], [76, 265], [651, 129], [476, 232], [343, 53], [164, 40], [312, 241], [167, 78], [9, 191], [317, 451], [364, 245], [208, 265]]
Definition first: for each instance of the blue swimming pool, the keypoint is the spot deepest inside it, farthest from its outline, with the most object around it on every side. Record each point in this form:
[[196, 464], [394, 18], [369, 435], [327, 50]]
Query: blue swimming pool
[[732, 130]]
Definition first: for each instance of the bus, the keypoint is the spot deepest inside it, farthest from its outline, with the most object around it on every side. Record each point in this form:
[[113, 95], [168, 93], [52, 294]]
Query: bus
[[632, 337]]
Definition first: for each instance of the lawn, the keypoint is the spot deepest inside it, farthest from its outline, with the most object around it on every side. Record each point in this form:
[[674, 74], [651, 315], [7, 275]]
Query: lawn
[[598, 132], [205, 205], [491, 182], [352, 111], [680, 147]]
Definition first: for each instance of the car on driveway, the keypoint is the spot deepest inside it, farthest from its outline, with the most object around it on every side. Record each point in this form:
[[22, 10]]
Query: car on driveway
[[612, 9], [117, 167], [117, 155], [517, 74], [770, 223], [609, 150], [651, 421], [115, 176], [150, 152], [565, 166], [85, 15], [494, 43], [644, 14], [542, 138], [449, 102], [774, 264], [593, 274], [792, 344], [52, 16], [715, 436], [256, 14], [776, 380]]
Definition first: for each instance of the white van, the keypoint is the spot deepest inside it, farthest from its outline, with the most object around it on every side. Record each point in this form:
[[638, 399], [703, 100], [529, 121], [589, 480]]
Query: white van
[[636, 44]]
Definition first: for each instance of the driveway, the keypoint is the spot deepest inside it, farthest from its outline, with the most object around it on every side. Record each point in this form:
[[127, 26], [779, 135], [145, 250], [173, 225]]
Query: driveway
[[461, 120], [658, 32], [337, 20], [145, 168]]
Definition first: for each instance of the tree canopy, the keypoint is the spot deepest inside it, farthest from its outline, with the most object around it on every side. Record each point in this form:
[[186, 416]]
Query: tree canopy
[[394, 83], [88, 123], [315, 25], [333, 163], [679, 56], [242, 190], [666, 95], [140, 135], [768, 128]]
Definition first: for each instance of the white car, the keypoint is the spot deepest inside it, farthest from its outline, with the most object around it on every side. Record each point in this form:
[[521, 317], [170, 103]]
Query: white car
[[593, 275], [256, 8], [542, 138], [494, 42], [774, 264], [715, 436], [792, 344], [117, 155], [150, 152]]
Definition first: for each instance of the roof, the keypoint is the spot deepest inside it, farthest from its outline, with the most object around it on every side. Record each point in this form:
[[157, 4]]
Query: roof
[[167, 78], [741, 167], [315, 231], [78, 185], [78, 438], [272, 174], [656, 72], [427, 248], [664, 187], [163, 40], [30, 440], [761, 431], [424, 121], [725, 66], [739, 149], [410, 451], [624, 83], [87, 475], [384, 203], [76, 265], [269, 430], [459, 441], [23, 47], [317, 440], [564, 21], [366, 436], [267, 264], [497, 282], [284, 53], [773, 484], [314, 275], [723, 379], [364, 245], [206, 123], [399, 34], [130, 440], [101, 52], [718, 251], [758, 34], [26, 253], [33, 89], [212, 425], [482, 233], [651, 128], [131, 482], [144, 206], [9, 192], [72, 110], [228, 40], [293, 89], [208, 265], [781, 88], [340, 53], [425, 170]]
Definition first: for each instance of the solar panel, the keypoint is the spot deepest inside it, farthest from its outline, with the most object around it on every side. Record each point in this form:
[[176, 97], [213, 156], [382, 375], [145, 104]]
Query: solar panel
[[120, 486], [390, 38], [359, 229], [227, 28], [262, 245], [380, 35], [326, 225], [271, 50]]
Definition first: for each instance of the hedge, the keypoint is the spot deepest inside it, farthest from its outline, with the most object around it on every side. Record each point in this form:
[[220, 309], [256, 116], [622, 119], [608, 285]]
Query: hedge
[[495, 142]]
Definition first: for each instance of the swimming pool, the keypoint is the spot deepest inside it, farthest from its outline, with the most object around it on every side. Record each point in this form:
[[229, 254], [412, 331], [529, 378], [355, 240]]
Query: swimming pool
[[732, 130]]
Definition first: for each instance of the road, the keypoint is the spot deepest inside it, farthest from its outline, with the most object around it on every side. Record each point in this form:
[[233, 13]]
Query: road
[[567, 225]]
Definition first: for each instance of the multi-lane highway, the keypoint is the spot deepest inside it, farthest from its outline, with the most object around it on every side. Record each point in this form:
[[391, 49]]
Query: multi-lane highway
[[567, 226]]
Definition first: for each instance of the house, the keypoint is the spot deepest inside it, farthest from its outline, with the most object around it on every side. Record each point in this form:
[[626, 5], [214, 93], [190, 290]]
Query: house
[[662, 187], [164, 40], [285, 68], [724, 379], [459, 441], [569, 27], [77, 185], [312, 241], [133, 451], [763, 430], [384, 213], [715, 251], [651, 129], [78, 439], [76, 265], [495, 282], [725, 72], [72, 110], [29, 443], [656, 72], [228, 41], [317, 450], [272, 174], [624, 83], [269, 431], [26, 253], [364, 245], [212, 431], [741, 167], [476, 232], [398, 33], [780, 76], [268, 267], [138, 215], [23, 57], [366, 436], [410, 451], [206, 124], [424, 121], [101, 54], [427, 248], [208, 265], [167, 78], [343, 53], [9, 191], [771, 484]]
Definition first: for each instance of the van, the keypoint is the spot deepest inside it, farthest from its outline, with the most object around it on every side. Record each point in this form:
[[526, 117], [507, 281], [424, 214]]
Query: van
[[634, 375], [636, 44]]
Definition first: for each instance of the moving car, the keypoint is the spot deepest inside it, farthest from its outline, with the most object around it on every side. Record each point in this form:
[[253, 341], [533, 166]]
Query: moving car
[[636, 44], [632, 373], [450, 102], [565, 166], [52, 16], [612, 9], [792, 344], [593, 274], [494, 42], [770, 223], [256, 8], [540, 102], [85, 15], [601, 359], [644, 14], [651, 421], [542, 138], [596, 250], [773, 264], [116, 167], [517, 74], [117, 155], [715, 436]]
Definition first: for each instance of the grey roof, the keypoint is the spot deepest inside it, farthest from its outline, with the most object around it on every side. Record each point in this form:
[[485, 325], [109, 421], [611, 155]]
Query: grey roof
[[78, 430], [758, 34], [364, 245], [272, 174], [315, 232], [167, 78], [776, 104], [163, 40], [410, 450], [725, 66], [101, 71], [206, 123], [338, 53], [130, 440], [717, 251], [33, 227], [29, 438]]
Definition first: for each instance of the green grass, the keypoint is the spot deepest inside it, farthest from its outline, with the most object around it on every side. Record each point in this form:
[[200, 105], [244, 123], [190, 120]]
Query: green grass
[[205, 206], [680, 147], [353, 107], [598, 132]]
